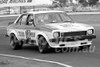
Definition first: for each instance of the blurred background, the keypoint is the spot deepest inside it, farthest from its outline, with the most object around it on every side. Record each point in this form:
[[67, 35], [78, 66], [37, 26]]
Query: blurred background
[[20, 6]]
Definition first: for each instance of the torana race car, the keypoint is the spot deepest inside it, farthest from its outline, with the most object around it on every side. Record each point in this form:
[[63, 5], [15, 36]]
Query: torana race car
[[50, 29]]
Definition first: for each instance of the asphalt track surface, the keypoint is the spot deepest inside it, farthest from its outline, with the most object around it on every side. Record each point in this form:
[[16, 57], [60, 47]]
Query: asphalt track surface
[[74, 59]]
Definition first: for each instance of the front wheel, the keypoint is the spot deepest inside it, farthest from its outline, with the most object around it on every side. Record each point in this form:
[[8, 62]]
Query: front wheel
[[15, 44], [42, 45]]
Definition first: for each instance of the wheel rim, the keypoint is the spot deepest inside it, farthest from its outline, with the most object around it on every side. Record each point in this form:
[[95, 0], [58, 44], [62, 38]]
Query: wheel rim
[[42, 43], [13, 42]]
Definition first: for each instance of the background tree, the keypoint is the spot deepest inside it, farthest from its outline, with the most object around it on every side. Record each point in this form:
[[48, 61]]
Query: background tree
[[92, 2], [83, 2], [88, 2], [62, 2]]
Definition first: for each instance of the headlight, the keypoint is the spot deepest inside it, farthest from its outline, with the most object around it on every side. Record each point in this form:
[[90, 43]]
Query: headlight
[[90, 32], [56, 34]]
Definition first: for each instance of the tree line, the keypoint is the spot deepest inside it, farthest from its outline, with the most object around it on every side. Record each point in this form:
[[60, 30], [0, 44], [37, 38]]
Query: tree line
[[88, 2], [83, 2]]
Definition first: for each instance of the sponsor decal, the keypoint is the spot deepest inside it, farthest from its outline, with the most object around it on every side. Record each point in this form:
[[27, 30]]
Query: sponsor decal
[[32, 34], [15, 1], [29, 34], [21, 33]]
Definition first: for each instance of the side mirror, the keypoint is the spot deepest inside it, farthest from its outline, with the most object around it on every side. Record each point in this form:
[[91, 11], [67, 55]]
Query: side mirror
[[10, 23]]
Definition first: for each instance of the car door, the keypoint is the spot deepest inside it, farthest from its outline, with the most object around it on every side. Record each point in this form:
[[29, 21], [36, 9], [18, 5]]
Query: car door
[[30, 27], [25, 27], [20, 26]]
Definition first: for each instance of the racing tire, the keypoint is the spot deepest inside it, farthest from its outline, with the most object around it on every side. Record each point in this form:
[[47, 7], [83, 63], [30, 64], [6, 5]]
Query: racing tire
[[15, 44], [42, 45]]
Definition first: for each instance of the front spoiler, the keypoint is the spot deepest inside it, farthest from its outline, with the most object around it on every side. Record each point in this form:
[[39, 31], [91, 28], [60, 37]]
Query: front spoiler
[[73, 38]]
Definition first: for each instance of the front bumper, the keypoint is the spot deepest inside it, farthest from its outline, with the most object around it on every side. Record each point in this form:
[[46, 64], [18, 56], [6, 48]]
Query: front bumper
[[72, 38]]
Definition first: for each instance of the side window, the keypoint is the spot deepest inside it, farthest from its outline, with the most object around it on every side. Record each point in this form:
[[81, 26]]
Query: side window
[[30, 20], [23, 21]]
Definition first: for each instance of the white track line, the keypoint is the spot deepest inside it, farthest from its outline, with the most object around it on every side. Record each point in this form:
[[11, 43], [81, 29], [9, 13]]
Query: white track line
[[35, 59]]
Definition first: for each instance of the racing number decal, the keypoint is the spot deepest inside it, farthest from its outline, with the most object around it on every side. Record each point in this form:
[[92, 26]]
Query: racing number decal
[[29, 34]]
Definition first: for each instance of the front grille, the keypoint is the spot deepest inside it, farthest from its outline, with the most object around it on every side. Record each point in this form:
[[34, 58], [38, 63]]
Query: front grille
[[78, 33]]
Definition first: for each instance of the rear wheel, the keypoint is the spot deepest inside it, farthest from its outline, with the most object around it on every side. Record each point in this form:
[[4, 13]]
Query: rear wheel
[[42, 45], [15, 43]]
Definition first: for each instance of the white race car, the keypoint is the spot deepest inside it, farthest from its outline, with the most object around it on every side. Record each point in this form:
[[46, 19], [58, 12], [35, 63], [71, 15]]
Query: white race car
[[50, 29]]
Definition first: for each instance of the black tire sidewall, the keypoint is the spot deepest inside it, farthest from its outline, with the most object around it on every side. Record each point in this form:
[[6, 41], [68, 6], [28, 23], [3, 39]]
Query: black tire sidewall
[[45, 47], [15, 45]]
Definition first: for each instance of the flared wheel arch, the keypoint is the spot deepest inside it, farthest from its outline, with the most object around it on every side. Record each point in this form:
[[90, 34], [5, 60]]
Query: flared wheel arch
[[20, 43], [38, 36]]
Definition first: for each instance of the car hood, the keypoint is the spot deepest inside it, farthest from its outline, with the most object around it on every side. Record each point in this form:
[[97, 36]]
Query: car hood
[[68, 26]]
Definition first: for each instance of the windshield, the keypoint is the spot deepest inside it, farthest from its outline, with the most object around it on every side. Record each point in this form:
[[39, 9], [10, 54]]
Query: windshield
[[52, 18]]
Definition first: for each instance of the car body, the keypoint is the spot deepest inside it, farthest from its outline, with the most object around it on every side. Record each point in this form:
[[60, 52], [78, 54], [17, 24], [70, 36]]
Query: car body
[[50, 29]]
